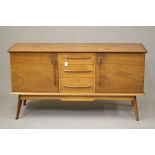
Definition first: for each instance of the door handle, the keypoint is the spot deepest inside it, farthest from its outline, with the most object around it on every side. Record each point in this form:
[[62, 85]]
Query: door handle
[[99, 65], [54, 62]]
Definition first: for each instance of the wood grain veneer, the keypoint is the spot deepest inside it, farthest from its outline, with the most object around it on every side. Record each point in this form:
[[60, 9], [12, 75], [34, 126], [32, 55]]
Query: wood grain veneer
[[34, 72], [77, 72], [83, 47], [120, 73]]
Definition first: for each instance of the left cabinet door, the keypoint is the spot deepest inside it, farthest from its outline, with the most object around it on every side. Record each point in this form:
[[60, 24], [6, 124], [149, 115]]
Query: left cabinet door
[[34, 72]]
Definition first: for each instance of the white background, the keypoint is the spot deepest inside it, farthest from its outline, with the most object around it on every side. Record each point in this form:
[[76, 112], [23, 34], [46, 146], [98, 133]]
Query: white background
[[77, 13]]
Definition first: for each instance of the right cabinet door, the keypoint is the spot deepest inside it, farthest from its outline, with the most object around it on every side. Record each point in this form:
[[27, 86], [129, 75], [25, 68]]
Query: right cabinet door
[[119, 73]]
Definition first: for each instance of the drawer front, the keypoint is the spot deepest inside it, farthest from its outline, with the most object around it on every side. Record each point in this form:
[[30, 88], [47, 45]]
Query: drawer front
[[77, 58], [76, 85], [73, 70]]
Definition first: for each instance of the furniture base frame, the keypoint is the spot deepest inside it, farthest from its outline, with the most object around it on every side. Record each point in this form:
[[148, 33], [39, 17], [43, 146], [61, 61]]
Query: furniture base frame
[[23, 98]]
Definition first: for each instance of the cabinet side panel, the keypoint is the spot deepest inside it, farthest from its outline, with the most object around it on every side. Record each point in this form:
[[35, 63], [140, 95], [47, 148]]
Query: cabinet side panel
[[12, 55], [34, 72], [120, 73]]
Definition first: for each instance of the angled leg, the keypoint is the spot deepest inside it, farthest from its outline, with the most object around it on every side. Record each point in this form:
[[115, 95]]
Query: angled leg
[[18, 107], [24, 102], [135, 108]]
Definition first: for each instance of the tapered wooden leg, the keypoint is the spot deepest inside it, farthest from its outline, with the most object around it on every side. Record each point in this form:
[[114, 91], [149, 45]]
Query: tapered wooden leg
[[24, 102], [132, 103], [18, 107], [135, 108]]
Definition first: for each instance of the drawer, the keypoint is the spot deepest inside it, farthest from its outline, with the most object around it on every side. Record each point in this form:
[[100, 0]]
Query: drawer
[[77, 58], [76, 85], [73, 70]]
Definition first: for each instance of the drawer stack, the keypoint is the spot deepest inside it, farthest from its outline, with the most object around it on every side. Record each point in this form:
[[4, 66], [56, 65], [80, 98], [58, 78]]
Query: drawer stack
[[76, 72]]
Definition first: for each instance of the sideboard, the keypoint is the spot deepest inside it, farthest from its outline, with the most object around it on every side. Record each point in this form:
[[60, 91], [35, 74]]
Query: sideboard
[[77, 72]]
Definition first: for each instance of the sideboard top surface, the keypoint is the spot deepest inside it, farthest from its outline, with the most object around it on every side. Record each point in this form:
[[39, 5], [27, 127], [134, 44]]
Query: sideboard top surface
[[78, 47]]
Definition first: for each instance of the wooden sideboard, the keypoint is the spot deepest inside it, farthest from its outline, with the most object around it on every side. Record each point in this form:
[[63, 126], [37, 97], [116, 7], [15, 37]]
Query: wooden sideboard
[[77, 72]]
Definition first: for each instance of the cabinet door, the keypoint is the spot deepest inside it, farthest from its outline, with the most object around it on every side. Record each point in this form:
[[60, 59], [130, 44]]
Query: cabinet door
[[119, 73], [34, 72]]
